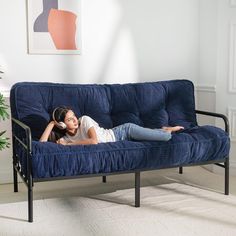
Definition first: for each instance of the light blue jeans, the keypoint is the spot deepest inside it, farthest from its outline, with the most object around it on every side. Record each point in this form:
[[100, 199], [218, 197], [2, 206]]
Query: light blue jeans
[[131, 131]]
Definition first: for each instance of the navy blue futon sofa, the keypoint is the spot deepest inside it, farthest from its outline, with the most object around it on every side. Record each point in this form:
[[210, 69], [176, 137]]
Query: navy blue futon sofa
[[152, 104]]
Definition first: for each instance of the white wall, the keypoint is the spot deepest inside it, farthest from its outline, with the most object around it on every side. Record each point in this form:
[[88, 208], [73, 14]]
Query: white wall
[[206, 82], [122, 41], [218, 63], [208, 42], [226, 64]]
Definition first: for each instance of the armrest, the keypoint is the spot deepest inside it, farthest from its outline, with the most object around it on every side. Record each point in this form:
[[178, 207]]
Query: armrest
[[19, 128], [218, 115], [21, 137]]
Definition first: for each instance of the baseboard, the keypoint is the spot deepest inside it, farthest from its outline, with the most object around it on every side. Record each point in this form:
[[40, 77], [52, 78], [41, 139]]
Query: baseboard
[[205, 88]]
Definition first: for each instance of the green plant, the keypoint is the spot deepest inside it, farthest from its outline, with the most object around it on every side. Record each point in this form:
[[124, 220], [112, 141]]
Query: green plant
[[4, 142]]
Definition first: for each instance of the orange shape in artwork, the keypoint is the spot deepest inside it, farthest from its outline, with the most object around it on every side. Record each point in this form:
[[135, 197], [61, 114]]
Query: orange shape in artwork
[[62, 28]]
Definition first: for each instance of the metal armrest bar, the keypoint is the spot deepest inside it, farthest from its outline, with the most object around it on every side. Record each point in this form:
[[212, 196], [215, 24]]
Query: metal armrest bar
[[26, 144], [27, 131], [21, 124], [218, 115], [28, 179], [20, 141], [226, 162]]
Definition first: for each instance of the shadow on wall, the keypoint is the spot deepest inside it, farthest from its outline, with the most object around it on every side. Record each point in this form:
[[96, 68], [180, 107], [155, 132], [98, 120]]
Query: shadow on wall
[[136, 27], [151, 40], [164, 36]]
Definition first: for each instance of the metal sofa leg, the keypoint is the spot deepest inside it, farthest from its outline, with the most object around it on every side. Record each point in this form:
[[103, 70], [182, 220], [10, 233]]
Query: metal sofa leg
[[30, 201], [180, 170], [104, 179], [137, 189], [227, 176], [15, 179]]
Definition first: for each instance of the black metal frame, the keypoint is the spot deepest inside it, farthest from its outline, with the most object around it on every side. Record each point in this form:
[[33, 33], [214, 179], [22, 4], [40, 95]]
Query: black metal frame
[[26, 144], [226, 161]]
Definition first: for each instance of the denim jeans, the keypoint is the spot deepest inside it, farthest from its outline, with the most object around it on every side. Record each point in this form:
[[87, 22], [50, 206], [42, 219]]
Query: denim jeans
[[131, 131]]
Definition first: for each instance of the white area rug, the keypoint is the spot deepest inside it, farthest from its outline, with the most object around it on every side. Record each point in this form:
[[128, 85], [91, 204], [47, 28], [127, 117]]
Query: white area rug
[[169, 209]]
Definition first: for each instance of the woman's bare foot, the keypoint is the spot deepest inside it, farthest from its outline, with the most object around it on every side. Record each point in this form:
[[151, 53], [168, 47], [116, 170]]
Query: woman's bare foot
[[172, 129]]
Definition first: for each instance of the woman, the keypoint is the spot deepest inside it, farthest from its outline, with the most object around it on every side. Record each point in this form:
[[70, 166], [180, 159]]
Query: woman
[[85, 130]]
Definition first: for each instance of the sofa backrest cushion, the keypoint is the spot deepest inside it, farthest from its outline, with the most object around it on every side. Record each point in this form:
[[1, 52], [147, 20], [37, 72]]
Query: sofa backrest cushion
[[152, 104]]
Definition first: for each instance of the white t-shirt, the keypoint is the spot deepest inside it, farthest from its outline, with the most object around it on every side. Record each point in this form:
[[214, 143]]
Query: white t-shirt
[[86, 122]]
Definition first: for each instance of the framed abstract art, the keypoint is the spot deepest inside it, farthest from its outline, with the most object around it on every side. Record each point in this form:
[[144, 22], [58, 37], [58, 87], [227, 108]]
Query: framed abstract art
[[54, 26]]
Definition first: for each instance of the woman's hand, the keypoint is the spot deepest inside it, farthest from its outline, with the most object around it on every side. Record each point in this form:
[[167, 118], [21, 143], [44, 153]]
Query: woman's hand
[[62, 141], [172, 129]]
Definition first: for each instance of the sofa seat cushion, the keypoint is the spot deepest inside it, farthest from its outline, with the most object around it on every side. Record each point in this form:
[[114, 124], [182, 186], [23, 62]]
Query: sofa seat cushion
[[194, 145]]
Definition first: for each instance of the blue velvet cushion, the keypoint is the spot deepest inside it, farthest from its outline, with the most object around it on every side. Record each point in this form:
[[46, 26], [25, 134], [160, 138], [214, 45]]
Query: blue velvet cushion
[[180, 103], [152, 105], [142, 104]]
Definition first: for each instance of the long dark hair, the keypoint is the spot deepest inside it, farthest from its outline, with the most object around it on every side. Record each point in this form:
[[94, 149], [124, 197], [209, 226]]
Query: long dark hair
[[59, 116]]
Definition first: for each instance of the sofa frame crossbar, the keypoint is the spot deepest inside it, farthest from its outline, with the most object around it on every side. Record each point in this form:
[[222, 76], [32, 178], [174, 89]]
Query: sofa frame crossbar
[[21, 135]]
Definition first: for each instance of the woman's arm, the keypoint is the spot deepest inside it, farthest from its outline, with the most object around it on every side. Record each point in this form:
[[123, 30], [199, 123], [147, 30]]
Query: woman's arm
[[47, 132], [92, 139]]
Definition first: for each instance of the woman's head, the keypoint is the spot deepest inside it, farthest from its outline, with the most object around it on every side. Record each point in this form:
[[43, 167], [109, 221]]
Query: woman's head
[[65, 118]]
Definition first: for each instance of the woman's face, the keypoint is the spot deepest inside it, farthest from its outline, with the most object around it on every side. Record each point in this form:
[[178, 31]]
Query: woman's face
[[71, 120]]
